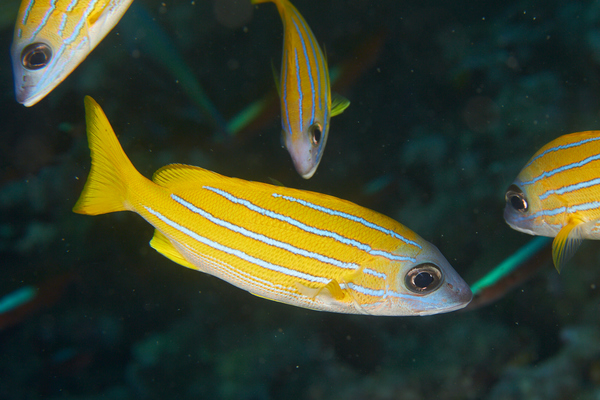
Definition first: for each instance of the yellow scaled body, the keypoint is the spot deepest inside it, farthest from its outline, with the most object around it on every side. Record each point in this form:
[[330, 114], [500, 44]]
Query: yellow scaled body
[[292, 246], [52, 37], [557, 194]]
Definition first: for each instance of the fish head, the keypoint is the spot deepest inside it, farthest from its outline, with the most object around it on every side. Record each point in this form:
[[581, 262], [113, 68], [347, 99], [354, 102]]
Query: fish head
[[526, 212], [49, 42], [427, 286], [37, 69], [44, 52], [307, 144]]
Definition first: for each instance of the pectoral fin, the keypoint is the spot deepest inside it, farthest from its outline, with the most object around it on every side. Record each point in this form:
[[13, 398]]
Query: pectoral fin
[[164, 246], [567, 242], [332, 289], [327, 292], [339, 104]]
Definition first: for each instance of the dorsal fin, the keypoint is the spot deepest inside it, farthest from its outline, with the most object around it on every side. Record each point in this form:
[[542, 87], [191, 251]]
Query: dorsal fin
[[181, 174]]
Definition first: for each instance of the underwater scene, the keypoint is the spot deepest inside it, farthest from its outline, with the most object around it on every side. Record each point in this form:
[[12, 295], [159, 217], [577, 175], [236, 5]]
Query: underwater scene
[[454, 119]]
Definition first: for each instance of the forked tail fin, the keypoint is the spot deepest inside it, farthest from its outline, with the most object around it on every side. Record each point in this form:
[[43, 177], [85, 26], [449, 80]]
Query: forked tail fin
[[106, 188]]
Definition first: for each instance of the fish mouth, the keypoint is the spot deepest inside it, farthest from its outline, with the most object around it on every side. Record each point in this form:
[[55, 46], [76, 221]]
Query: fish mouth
[[28, 95], [456, 298], [309, 173], [24, 96], [305, 162]]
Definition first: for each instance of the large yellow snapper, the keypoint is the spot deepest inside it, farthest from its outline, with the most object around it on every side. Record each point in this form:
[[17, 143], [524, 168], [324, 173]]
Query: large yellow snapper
[[304, 88], [557, 194], [297, 247], [52, 37]]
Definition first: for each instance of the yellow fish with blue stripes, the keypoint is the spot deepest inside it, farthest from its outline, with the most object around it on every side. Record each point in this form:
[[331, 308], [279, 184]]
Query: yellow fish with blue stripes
[[52, 37], [304, 88], [557, 194], [297, 247]]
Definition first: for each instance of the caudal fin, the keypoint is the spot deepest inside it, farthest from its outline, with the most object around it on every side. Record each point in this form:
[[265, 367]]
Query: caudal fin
[[106, 188]]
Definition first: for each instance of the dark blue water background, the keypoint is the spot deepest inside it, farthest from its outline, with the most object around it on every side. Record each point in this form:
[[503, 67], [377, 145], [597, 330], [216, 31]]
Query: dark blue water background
[[458, 98]]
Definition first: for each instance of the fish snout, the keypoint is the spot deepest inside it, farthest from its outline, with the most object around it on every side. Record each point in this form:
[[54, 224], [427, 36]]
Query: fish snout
[[448, 290], [304, 156]]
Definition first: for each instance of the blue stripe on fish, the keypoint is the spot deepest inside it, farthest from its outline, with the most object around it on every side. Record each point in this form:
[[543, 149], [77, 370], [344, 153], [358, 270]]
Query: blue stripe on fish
[[262, 238], [567, 167], [350, 217], [559, 210], [308, 228], [63, 23], [561, 147], [72, 5], [310, 76], [81, 23], [300, 96], [240, 275], [570, 188], [367, 291], [235, 252], [44, 20], [317, 51], [27, 11]]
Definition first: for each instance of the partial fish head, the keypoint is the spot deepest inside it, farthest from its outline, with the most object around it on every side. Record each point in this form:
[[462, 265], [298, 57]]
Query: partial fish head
[[51, 40], [427, 286], [528, 210], [306, 146], [537, 201]]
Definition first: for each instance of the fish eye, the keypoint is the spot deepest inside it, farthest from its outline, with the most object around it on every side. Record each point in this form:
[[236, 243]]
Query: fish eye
[[315, 131], [424, 278], [36, 56], [516, 198]]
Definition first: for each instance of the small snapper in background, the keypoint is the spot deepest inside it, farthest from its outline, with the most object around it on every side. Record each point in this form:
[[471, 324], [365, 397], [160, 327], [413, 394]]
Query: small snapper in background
[[297, 247], [52, 37], [557, 194], [304, 88]]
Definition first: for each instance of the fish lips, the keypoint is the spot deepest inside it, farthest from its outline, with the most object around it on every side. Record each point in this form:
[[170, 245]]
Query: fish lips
[[305, 156]]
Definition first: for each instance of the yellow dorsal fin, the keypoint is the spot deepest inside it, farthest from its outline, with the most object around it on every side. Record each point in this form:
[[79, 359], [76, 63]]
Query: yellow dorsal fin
[[567, 242], [164, 246], [183, 175], [339, 104]]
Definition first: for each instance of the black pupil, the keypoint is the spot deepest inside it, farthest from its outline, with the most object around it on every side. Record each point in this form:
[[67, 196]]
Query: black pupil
[[423, 279], [36, 56], [316, 134], [517, 202]]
